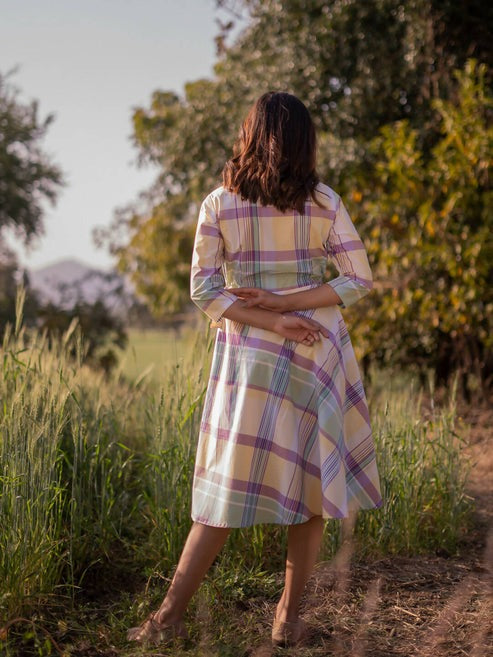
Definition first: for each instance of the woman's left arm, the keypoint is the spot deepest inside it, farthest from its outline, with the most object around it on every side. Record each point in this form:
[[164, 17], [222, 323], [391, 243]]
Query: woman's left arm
[[207, 281], [318, 297]]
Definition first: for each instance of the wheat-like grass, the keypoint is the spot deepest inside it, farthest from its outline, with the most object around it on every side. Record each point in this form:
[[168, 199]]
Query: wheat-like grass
[[95, 472]]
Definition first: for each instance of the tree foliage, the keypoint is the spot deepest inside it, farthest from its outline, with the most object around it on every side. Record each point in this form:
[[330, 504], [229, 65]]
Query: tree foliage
[[9, 282], [429, 219], [378, 78], [102, 331], [27, 175], [27, 179]]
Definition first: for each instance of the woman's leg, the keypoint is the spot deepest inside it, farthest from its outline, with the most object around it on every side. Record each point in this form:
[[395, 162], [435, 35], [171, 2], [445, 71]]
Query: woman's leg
[[201, 548], [303, 548]]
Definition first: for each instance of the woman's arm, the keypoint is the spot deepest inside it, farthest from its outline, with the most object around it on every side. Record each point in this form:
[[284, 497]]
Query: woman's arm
[[347, 252], [291, 327], [208, 293], [207, 280], [318, 297]]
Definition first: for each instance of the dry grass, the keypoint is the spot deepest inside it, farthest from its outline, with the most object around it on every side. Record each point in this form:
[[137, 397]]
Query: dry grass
[[426, 606], [406, 607]]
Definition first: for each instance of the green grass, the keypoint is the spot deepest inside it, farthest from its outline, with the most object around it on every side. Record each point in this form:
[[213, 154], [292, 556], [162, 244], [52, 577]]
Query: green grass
[[152, 351], [422, 471], [95, 472]]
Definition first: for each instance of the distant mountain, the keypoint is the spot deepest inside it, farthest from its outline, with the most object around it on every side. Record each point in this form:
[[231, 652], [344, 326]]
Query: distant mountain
[[67, 281]]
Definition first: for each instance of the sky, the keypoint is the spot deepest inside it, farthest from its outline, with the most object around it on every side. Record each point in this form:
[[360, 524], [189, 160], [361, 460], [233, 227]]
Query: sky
[[90, 63]]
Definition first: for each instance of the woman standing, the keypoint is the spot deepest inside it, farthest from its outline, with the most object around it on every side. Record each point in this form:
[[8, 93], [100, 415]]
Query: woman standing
[[285, 435]]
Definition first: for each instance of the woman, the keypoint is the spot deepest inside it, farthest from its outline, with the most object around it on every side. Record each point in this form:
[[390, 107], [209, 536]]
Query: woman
[[285, 435]]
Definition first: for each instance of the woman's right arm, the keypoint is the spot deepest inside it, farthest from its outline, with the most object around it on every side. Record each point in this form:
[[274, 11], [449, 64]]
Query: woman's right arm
[[290, 327], [347, 252]]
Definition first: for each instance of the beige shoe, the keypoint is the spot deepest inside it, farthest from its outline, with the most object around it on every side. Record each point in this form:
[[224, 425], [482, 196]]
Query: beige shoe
[[285, 633], [150, 631]]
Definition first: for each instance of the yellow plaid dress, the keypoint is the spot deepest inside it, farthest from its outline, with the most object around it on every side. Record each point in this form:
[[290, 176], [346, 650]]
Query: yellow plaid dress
[[285, 432]]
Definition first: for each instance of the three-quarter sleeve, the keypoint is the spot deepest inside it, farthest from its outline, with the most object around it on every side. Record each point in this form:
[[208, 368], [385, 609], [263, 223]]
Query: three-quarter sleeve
[[207, 280], [347, 252]]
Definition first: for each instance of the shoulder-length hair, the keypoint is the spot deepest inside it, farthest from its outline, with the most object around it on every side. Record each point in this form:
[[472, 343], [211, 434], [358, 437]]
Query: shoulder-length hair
[[274, 156]]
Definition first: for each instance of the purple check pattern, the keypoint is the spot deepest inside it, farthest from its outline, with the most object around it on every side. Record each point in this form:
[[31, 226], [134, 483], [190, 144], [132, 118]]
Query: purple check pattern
[[285, 432]]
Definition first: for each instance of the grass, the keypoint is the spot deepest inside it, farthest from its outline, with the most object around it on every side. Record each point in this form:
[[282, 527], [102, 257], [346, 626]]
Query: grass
[[95, 476], [422, 469], [150, 351]]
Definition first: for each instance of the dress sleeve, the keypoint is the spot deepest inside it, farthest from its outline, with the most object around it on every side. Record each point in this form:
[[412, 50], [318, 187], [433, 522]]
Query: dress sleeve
[[347, 252], [207, 280]]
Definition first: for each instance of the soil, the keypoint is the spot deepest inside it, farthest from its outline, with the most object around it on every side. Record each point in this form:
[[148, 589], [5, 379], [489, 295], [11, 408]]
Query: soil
[[436, 606]]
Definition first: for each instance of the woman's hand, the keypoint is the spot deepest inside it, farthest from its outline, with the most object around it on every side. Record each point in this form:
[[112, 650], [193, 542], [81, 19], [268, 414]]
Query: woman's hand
[[299, 329], [255, 296]]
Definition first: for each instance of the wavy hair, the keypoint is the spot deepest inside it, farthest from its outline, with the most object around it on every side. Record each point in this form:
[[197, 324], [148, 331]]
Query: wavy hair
[[274, 156]]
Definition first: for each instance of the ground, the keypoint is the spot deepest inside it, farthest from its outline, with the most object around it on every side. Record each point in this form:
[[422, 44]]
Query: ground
[[437, 605]]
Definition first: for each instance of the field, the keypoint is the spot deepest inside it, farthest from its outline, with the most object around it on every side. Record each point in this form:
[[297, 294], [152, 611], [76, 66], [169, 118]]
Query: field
[[95, 474], [150, 352]]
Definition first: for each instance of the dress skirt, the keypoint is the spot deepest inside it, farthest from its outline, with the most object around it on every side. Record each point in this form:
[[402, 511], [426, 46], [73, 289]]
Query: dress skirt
[[285, 432]]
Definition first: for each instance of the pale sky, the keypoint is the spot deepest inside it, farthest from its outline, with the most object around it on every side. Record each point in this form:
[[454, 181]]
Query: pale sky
[[90, 62]]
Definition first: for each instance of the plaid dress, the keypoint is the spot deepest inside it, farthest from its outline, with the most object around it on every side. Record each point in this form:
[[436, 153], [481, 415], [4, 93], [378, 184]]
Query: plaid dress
[[285, 432]]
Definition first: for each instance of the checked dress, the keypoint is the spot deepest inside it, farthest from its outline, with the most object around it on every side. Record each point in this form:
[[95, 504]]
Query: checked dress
[[285, 432]]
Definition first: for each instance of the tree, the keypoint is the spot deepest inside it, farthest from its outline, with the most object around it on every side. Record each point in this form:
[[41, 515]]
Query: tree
[[8, 285], [379, 79], [429, 218], [358, 65], [27, 179], [101, 330], [27, 176]]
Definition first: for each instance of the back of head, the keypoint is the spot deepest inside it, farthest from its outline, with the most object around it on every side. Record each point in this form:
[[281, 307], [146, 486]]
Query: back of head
[[274, 157]]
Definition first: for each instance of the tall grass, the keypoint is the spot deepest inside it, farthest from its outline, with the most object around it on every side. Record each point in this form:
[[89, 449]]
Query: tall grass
[[90, 467], [95, 471], [423, 472]]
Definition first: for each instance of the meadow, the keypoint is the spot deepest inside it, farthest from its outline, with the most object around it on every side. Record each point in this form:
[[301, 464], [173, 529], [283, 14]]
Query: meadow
[[95, 475]]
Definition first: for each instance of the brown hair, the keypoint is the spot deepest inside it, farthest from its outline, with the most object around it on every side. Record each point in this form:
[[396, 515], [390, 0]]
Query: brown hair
[[274, 156]]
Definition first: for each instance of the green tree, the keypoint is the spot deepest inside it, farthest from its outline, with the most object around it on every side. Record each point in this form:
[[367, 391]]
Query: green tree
[[358, 65], [401, 136], [27, 179], [27, 176], [429, 218], [8, 285], [101, 330]]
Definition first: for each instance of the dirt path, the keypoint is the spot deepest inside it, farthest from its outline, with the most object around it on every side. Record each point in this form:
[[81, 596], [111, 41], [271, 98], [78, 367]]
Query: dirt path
[[433, 606]]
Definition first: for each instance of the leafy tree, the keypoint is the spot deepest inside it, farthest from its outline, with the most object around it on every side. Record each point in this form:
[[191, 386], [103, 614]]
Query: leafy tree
[[429, 218], [101, 330], [358, 65], [27, 176], [378, 77], [27, 179], [8, 285], [10, 278]]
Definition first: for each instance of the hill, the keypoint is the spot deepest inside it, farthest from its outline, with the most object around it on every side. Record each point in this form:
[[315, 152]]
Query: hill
[[69, 281]]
